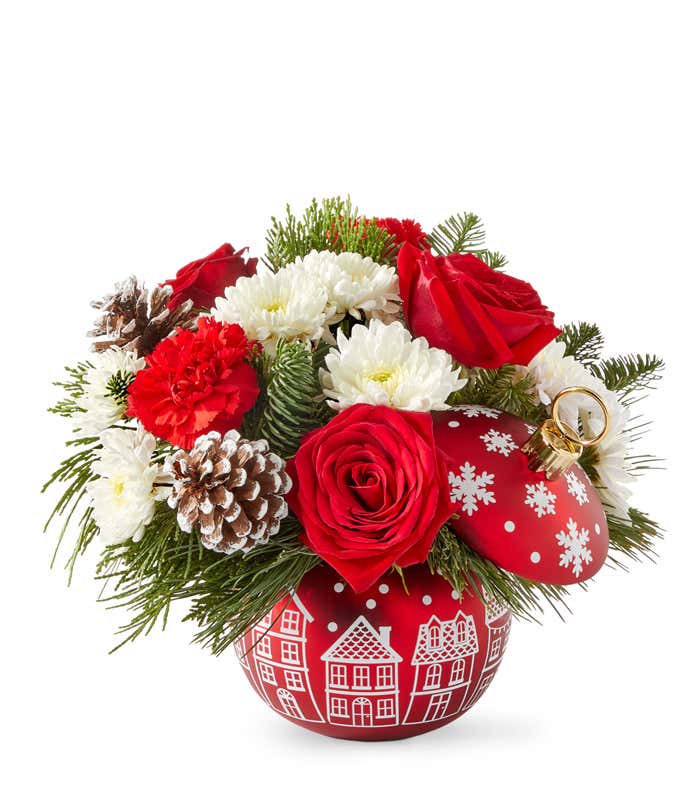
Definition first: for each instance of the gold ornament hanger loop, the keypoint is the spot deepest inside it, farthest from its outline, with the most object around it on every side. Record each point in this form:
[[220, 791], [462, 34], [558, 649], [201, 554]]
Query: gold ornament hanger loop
[[566, 430]]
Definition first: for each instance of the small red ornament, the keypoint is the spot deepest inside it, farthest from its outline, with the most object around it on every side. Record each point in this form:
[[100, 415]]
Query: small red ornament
[[386, 664], [550, 531]]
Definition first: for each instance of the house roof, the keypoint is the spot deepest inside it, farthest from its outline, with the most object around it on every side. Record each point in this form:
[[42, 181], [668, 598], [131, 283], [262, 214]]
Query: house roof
[[361, 643], [449, 647], [494, 608]]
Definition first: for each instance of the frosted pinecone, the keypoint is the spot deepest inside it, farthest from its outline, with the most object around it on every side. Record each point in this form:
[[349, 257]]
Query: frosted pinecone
[[135, 320], [230, 489]]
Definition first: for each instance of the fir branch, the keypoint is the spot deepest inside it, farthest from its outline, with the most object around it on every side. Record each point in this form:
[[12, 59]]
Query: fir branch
[[458, 233], [583, 341], [632, 538], [626, 374], [463, 568], [494, 259], [334, 225], [504, 389], [74, 388], [292, 400]]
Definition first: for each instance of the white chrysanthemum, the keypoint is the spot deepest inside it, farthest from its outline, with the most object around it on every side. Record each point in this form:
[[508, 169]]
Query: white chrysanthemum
[[354, 283], [124, 496], [272, 306], [610, 457], [103, 402], [552, 371], [382, 365]]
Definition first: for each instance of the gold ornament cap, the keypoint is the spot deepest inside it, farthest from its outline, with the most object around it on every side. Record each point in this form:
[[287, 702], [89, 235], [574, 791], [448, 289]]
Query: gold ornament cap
[[556, 446]]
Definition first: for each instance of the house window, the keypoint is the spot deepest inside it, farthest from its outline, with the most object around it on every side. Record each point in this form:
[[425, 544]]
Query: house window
[[266, 620], [290, 622], [461, 631], [434, 636], [457, 671], [339, 707], [436, 708], [289, 704], [385, 676], [267, 673], [338, 677], [362, 677], [289, 653], [495, 648], [433, 676], [294, 680], [264, 646], [385, 708]]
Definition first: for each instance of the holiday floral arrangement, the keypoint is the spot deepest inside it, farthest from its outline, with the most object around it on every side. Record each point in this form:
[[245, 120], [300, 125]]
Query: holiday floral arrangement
[[353, 459]]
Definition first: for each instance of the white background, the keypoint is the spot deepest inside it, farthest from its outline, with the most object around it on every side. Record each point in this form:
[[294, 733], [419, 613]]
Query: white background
[[138, 136]]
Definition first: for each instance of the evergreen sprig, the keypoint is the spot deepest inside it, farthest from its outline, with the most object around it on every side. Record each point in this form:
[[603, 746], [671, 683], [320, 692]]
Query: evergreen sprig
[[628, 373], [583, 341], [463, 568], [501, 389], [74, 388], [292, 405], [464, 233], [332, 225], [632, 538]]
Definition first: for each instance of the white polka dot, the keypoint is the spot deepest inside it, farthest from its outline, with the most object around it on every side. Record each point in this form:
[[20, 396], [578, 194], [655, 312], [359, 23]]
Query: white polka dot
[[339, 587], [453, 423], [370, 604], [427, 600], [597, 529], [535, 556], [509, 526], [455, 595], [384, 588], [332, 626]]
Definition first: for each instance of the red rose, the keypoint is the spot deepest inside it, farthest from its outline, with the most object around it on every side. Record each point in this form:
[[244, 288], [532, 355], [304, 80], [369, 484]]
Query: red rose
[[195, 382], [206, 279], [482, 317], [406, 231], [370, 491]]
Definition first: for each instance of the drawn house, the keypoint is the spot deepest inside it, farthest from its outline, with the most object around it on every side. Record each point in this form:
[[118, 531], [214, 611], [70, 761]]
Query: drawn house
[[278, 658], [242, 647], [497, 619], [443, 659], [362, 681]]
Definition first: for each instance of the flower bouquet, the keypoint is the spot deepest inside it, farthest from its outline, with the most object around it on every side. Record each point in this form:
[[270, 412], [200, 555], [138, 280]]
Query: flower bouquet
[[354, 460]]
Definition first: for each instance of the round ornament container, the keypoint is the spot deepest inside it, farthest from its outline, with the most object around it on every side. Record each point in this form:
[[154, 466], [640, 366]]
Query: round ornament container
[[385, 664]]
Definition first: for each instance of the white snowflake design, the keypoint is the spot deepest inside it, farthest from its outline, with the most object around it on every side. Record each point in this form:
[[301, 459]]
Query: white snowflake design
[[575, 545], [473, 411], [576, 488], [498, 442], [541, 499], [471, 488], [530, 428]]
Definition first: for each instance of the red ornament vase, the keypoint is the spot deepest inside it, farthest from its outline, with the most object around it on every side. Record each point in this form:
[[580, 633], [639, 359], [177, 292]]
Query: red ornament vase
[[388, 663]]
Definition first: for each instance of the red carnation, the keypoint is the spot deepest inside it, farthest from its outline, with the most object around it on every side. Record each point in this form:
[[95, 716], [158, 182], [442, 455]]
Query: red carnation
[[406, 231], [195, 382], [370, 490], [480, 316], [206, 279]]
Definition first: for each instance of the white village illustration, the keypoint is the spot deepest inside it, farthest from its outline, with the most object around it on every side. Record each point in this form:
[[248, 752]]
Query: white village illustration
[[362, 669]]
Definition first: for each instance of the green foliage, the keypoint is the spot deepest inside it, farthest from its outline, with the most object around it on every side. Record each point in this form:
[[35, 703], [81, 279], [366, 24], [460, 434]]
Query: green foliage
[[73, 386], [626, 374], [333, 225], [632, 538], [463, 568], [502, 389], [291, 405], [74, 473], [464, 233], [228, 592], [583, 341]]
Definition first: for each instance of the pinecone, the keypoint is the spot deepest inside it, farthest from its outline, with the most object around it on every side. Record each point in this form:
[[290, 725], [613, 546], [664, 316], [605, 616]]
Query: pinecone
[[231, 489], [133, 320]]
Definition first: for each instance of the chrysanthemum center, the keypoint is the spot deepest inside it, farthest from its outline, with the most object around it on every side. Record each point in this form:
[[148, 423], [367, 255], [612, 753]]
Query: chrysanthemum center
[[381, 375]]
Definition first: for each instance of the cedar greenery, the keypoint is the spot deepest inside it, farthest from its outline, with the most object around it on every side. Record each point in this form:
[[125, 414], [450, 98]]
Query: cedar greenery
[[332, 225]]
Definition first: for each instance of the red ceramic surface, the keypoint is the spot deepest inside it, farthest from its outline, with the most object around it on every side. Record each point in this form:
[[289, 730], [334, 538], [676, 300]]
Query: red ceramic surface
[[384, 664], [549, 531]]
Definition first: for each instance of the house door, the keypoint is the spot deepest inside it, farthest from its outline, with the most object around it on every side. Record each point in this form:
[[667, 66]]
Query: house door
[[289, 704], [362, 712], [437, 706]]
